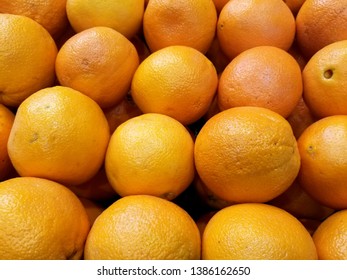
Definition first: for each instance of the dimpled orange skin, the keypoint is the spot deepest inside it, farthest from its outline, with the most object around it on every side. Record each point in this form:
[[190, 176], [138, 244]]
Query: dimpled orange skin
[[27, 58], [330, 237], [40, 219], [59, 134], [323, 151], [150, 154], [143, 227], [254, 231], [177, 81], [247, 154]]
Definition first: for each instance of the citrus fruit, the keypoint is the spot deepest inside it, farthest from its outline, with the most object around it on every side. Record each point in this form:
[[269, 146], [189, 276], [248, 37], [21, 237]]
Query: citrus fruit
[[27, 57], [123, 16], [252, 231], [99, 62], [177, 81], [330, 237], [143, 227], [219, 4], [245, 81], [246, 24], [247, 154], [294, 5], [150, 154], [325, 86], [58, 134], [51, 14], [323, 152], [6, 122], [320, 23], [40, 219], [189, 23]]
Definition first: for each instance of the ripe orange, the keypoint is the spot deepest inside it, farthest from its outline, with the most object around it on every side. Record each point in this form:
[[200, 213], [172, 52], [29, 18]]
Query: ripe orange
[[256, 231], [246, 24], [51, 14], [189, 23], [121, 112], [27, 58], [320, 23], [300, 118], [150, 154], [59, 134], [99, 62], [40, 219], [325, 85], [245, 81], [297, 202], [177, 81], [330, 237], [323, 151], [143, 227], [6, 122], [123, 16], [247, 154]]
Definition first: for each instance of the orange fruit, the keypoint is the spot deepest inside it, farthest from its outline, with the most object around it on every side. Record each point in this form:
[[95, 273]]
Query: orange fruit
[[40, 219], [173, 79], [245, 81], [51, 14], [330, 237], [220, 4], [189, 23], [27, 58], [294, 5], [325, 86], [58, 134], [99, 62], [323, 151], [320, 23], [121, 112], [247, 154], [300, 118], [297, 202], [143, 227], [252, 231], [246, 24], [123, 16], [6, 122], [93, 209], [150, 154]]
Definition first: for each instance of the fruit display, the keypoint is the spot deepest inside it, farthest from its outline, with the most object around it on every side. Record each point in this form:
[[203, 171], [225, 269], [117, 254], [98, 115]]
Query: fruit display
[[173, 130]]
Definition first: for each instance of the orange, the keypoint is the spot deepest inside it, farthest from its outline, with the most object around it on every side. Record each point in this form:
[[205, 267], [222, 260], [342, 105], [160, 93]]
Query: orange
[[93, 209], [99, 62], [97, 189], [189, 23], [121, 112], [123, 16], [51, 14], [245, 81], [247, 154], [325, 85], [58, 134], [330, 237], [323, 151], [177, 81], [150, 154], [297, 202], [243, 24], [143, 227], [40, 219], [252, 231], [220, 4], [300, 118], [320, 23], [6, 122], [27, 58], [294, 5]]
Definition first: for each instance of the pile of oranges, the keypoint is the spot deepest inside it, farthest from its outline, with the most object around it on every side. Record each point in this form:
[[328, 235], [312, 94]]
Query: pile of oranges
[[173, 129]]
